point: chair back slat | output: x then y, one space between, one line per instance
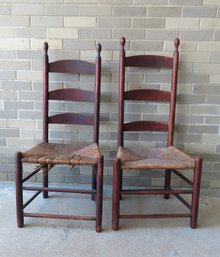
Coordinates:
147 95
72 94
149 61
72 66
72 118
145 126
93 69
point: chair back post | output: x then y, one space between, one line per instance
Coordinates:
173 93
121 93
97 95
45 91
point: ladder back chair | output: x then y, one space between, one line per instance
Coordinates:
168 159
47 154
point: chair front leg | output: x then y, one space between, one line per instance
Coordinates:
19 191
94 184
99 194
116 193
196 189
167 182
45 180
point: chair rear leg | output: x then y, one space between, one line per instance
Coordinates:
94 184
121 183
19 192
99 194
45 180
196 190
167 182
116 194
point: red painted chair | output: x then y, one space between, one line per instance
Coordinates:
46 154
168 159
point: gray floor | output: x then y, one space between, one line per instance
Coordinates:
139 238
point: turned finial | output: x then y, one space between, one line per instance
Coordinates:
45 47
122 42
176 43
98 48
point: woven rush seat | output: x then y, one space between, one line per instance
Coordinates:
154 158
50 153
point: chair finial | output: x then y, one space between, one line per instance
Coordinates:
176 43
45 46
98 48
122 42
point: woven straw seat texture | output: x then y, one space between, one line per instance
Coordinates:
70 154
154 158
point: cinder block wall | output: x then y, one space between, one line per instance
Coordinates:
72 28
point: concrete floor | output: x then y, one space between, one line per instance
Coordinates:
139 238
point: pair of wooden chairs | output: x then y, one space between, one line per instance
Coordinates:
168 159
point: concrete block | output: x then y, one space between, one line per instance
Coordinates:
201 129
205 109
14 65
186 2
118 2
206 89
130 11
185 46
129 34
112 22
207 46
7 54
14 21
80 1
151 2
8 95
14 43
182 23
214 99
193 78
199 148
211 2
27 9
30 32
217 35
46 21
53 43
62 33
6 9
6 32
29 75
191 99
17 105
211 139
79 22
199 12
7 75
214 78
210 23
95 10
169 11
207 68
62 9
94 34
148 23
147 45
15 85
161 34
196 35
